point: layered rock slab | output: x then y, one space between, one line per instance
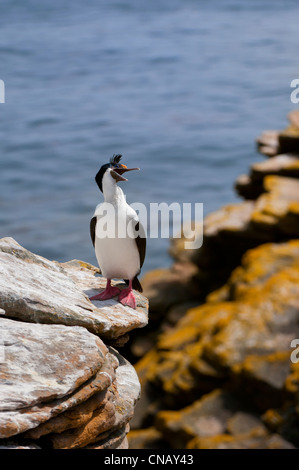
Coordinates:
43 364
61 387
102 421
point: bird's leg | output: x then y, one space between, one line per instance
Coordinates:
109 292
126 297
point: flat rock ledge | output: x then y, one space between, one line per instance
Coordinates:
34 289
62 384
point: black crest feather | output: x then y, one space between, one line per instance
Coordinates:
115 159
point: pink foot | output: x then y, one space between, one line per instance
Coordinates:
108 293
126 297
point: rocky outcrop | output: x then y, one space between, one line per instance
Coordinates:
63 385
237 343
271 143
219 373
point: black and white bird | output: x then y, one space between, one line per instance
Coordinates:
119 255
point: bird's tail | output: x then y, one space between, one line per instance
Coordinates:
135 284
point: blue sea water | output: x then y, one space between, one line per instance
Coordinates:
180 88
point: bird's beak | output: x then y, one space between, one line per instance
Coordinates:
119 171
122 169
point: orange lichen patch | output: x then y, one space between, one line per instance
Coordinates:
155 274
294 208
163 418
182 380
219 295
261 263
291 131
266 221
294 165
194 351
252 440
142 367
209 317
292 381
81 264
271 207
279 291
178 338
273 419
164 369
230 218
280 356
198 364
214 442
144 438
282 188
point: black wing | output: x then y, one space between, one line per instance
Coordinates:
93 223
141 243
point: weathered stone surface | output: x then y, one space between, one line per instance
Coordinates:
113 414
115 440
268 144
251 186
231 218
271 143
122 318
30 387
277 209
73 418
35 369
243 422
281 165
100 421
28 418
34 289
129 389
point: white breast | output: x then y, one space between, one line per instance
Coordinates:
117 256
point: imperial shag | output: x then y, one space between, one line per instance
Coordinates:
119 255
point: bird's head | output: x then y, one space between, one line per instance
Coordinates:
112 172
